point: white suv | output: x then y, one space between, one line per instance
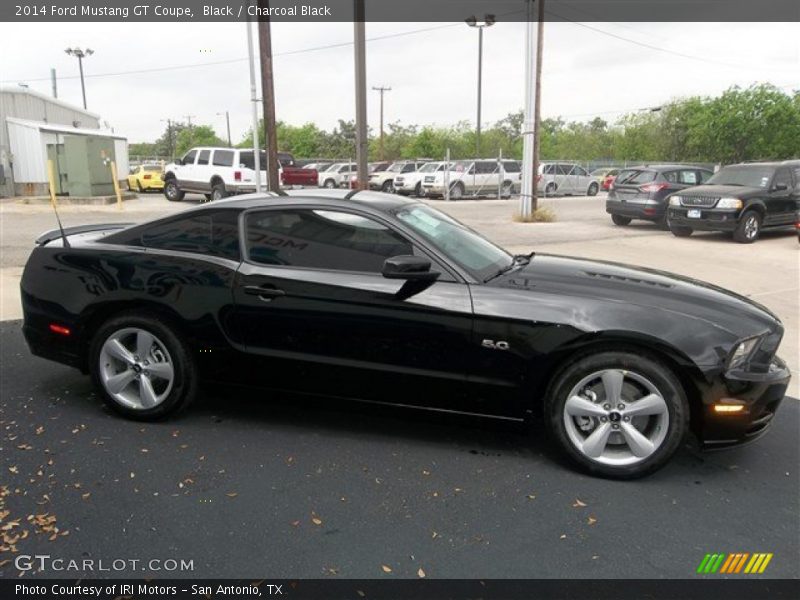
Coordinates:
338 175
411 183
475 178
214 172
567 179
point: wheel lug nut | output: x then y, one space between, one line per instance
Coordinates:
620 406
615 426
607 406
626 419
603 419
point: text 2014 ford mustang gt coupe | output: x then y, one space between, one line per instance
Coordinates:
369 296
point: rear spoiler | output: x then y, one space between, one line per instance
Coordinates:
55 234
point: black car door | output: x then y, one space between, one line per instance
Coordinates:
781 199
315 313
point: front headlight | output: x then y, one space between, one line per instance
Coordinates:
674 200
743 351
729 203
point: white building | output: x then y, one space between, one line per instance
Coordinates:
34 128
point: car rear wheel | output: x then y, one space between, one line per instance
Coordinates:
142 368
749 228
330 184
418 190
679 231
457 191
620 220
139 187
617 414
551 189
388 186
218 192
593 189
172 191
507 189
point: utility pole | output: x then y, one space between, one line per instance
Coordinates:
228 125
382 89
254 100
80 54
537 112
268 96
189 120
359 35
169 137
530 129
53 82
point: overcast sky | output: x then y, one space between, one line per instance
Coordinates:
588 70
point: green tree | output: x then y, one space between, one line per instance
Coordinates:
197 135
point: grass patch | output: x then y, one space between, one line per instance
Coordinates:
543 214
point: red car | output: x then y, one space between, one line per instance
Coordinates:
291 174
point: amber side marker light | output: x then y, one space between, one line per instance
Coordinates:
728 409
59 329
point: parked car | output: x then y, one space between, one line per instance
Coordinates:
214 172
475 178
291 174
743 199
605 176
317 166
411 183
338 175
567 179
371 168
146 177
641 192
380 298
384 180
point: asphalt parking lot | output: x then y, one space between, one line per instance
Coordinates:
293 487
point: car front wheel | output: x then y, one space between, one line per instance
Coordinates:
621 220
679 231
172 191
749 228
141 367
617 414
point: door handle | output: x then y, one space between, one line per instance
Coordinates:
265 293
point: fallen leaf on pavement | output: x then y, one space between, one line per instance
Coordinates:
386 569
578 503
421 573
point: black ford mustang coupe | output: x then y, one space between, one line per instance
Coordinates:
369 296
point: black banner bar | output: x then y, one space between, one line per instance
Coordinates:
398 10
419 589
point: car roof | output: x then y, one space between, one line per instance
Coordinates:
664 167
794 162
335 197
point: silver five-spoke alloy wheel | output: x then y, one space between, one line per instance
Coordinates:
751 227
616 417
136 369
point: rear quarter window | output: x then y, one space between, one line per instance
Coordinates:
213 233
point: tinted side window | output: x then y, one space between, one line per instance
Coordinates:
223 158
247 159
512 166
783 176
704 175
204 156
564 169
580 171
409 168
188 159
215 233
322 239
688 177
549 169
485 167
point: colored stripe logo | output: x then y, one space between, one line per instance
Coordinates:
733 563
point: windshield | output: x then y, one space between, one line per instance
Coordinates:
635 176
745 175
430 167
396 167
458 166
463 246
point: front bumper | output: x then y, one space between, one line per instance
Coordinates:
759 393
709 219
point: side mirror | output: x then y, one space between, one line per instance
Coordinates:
780 187
410 268
178 161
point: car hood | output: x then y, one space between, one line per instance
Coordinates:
737 191
650 288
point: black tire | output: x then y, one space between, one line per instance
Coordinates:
593 189
184 384
749 227
218 192
139 187
388 186
507 189
329 184
207 197
172 192
639 364
620 220
679 231
418 190
457 191
550 189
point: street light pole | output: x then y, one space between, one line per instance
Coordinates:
488 21
381 89
228 125
80 53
